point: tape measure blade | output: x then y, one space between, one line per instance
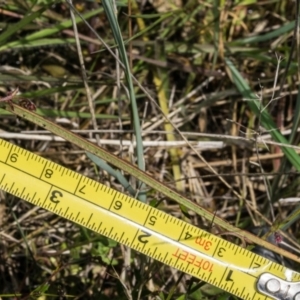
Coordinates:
130 222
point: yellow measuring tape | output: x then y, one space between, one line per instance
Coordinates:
143 228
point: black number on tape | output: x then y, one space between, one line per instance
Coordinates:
14 157
152 220
48 173
221 251
117 205
55 195
142 238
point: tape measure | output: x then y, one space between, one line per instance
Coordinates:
141 227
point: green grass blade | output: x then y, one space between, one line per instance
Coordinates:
16 27
267 36
266 120
47 31
109 10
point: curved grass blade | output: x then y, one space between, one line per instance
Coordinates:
115 173
266 120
